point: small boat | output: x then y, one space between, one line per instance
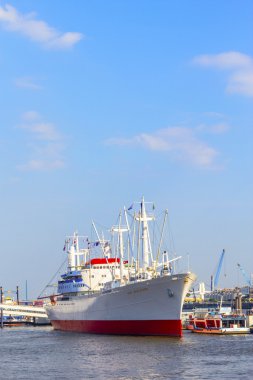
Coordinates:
220 322
9 320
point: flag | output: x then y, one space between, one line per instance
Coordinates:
64 248
130 208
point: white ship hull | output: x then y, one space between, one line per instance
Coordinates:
150 307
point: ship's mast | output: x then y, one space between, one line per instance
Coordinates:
99 240
130 245
76 246
161 238
146 246
74 252
120 229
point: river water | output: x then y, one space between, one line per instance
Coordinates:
42 353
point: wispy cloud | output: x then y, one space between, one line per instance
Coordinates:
239 66
27 82
213 128
30 116
45 144
36 30
179 143
42 131
41 165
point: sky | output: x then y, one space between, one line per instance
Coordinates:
103 102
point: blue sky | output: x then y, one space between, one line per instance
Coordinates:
105 101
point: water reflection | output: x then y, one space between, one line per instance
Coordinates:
28 353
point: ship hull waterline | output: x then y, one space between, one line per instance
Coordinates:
144 327
151 307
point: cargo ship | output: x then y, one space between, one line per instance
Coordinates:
124 289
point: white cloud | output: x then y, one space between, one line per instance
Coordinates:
64 41
214 115
27 82
36 30
45 144
180 143
240 67
31 116
241 82
42 131
214 128
41 165
228 60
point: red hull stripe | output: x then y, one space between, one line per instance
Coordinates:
160 327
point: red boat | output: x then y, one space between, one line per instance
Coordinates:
221 321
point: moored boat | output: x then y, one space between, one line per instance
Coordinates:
124 290
9 320
220 322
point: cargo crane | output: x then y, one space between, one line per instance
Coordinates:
215 279
247 278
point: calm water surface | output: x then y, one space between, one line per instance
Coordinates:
42 353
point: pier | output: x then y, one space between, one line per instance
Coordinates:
20 312
23 314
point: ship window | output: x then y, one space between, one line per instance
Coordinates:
101 267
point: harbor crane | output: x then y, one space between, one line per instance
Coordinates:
247 278
215 279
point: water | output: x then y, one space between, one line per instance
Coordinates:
42 353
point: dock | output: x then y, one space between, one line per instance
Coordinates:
23 314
